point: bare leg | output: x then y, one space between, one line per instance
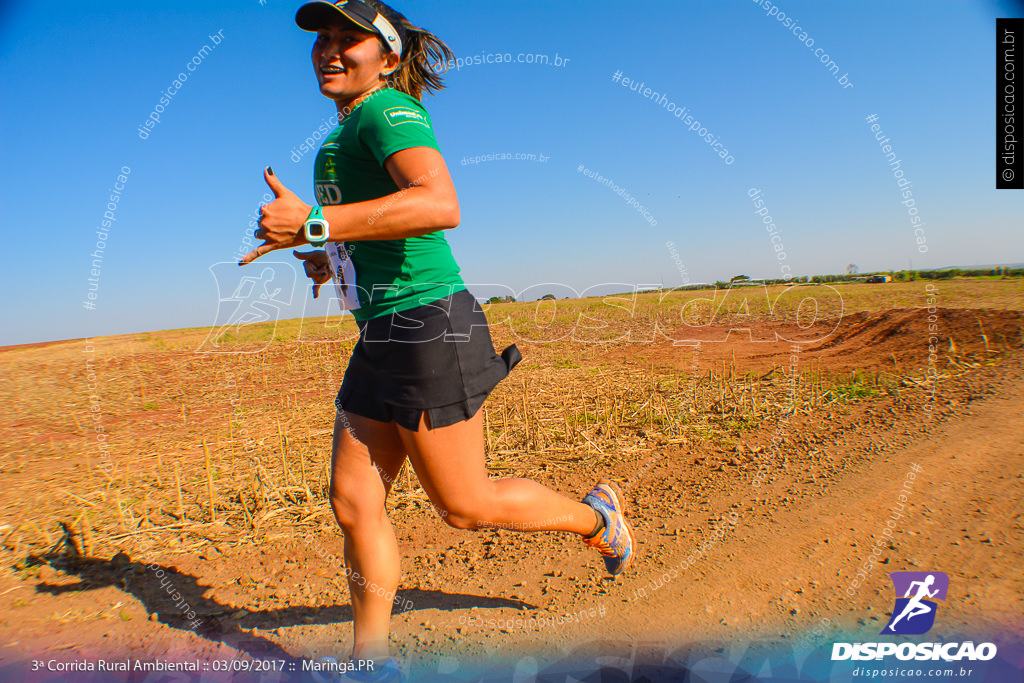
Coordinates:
449 462
365 460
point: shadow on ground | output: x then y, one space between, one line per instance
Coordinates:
172 595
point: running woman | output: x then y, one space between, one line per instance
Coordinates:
424 362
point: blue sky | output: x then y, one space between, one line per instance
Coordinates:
75 85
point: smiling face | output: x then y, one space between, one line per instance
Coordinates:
349 61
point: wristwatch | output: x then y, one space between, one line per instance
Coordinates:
316 228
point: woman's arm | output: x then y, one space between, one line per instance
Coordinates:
425 203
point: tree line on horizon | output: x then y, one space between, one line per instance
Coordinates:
895 275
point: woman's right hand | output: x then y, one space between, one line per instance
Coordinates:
318 268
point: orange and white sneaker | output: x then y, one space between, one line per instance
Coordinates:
615 540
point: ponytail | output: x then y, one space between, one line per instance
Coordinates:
424 56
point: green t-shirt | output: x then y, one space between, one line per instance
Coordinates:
391 275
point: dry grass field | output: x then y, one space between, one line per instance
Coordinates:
129 453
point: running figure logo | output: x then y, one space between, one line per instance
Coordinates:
245 298
914 613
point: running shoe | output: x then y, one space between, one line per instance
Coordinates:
615 540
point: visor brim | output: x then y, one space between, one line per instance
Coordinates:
313 16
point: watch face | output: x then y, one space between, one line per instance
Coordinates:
316 230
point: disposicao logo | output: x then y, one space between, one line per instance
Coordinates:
914 614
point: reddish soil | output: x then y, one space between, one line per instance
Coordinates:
896 339
782 568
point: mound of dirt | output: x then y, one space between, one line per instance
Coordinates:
904 334
861 341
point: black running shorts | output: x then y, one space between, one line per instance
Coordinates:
437 358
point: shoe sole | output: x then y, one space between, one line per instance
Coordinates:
620 503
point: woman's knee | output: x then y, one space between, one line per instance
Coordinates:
354 504
463 514
465 522
466 506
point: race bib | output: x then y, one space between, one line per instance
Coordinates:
344 274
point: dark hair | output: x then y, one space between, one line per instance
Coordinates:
422 52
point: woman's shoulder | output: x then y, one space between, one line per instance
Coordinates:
394 105
392 121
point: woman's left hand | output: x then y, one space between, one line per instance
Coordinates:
281 220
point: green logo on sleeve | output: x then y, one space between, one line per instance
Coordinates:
399 115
